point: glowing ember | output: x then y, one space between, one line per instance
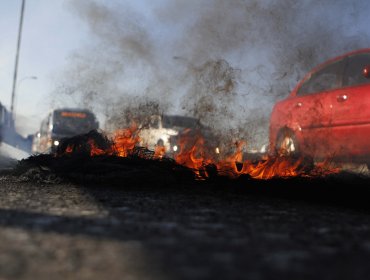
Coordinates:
69 150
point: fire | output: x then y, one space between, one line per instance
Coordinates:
125 140
272 167
122 144
159 152
194 154
228 166
233 166
269 168
94 149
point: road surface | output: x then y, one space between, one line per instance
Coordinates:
183 231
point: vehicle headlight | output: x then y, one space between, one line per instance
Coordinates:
174 148
217 150
56 143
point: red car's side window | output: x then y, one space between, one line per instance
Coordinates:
353 73
330 77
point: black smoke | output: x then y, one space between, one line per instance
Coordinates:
224 61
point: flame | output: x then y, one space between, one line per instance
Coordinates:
272 167
194 154
159 151
267 168
94 149
122 144
228 166
279 166
125 140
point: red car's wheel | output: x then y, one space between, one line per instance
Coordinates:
286 144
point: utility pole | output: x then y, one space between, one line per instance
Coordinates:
16 61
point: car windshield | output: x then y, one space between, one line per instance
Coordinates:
180 121
73 122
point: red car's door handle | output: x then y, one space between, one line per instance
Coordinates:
342 98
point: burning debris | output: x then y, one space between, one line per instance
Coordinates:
117 158
95 158
124 144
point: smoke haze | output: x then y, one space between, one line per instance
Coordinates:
223 61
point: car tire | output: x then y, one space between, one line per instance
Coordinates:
287 144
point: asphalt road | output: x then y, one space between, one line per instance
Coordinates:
180 231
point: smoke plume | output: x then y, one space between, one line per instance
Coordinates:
223 61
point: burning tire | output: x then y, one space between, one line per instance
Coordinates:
287 144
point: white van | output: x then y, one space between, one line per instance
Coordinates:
161 128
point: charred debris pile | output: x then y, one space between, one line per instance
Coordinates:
94 158
89 158
141 169
73 162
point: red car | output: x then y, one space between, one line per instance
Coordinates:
327 115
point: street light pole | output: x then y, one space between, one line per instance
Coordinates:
17 59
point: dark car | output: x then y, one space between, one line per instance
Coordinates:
328 113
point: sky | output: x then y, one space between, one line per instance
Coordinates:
50 33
